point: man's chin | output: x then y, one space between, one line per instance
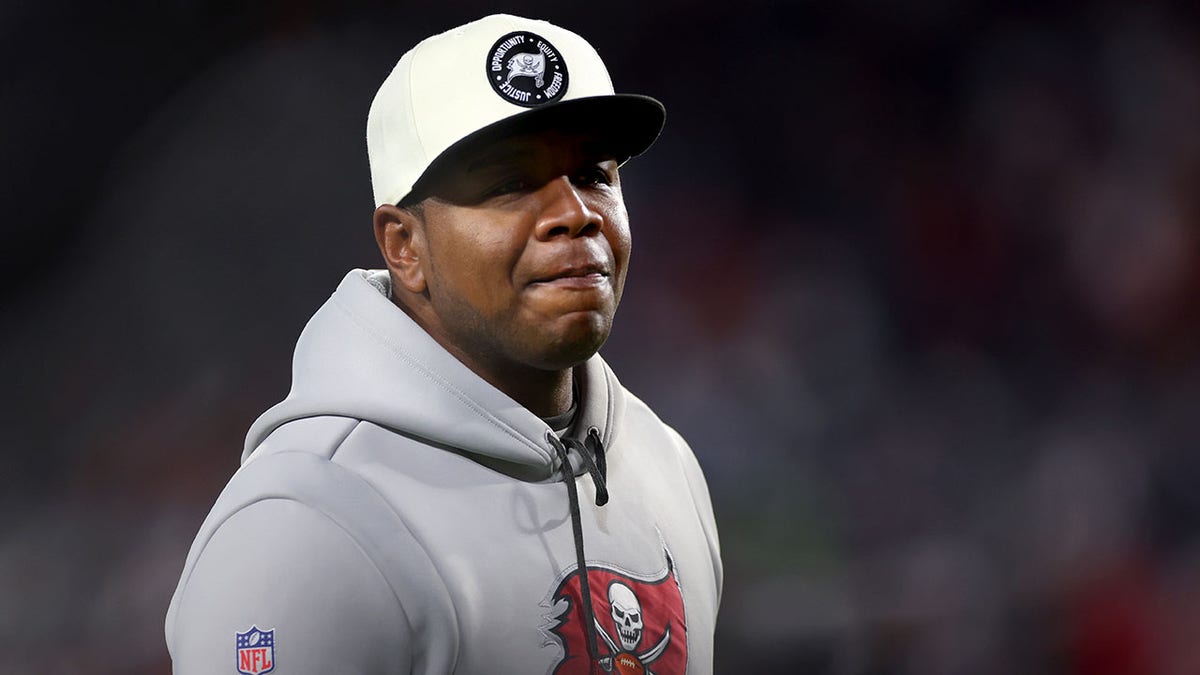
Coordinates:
578 337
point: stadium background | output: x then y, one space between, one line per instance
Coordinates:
917 279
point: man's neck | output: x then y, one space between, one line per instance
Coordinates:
545 393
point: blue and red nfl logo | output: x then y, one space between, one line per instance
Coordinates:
256 651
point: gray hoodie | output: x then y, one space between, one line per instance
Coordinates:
398 514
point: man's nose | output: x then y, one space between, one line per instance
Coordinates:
565 211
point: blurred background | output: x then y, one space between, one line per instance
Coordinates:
917 279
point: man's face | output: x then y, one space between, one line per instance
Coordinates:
527 247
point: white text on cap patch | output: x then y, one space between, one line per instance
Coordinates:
525 69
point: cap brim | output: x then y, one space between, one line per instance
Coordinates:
625 126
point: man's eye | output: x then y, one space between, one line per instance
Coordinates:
507 187
594 176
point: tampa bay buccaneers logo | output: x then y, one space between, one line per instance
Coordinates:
639 622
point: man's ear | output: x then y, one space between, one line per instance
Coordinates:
400 235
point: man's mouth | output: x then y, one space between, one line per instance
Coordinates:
571 276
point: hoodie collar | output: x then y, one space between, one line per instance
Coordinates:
361 356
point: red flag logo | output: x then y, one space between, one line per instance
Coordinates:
639 623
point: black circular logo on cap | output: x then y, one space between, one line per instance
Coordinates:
525 69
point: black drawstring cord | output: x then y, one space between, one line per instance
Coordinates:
597 448
596 468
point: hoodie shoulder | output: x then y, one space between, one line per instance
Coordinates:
255 593
293 522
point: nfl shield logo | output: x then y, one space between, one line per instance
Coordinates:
256 651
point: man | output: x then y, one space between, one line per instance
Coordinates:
457 482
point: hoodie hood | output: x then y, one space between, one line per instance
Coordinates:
361 356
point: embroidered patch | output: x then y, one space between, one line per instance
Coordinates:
639 622
525 69
255 651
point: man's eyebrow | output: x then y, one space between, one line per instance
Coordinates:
597 150
498 157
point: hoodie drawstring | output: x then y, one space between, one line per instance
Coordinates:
592 454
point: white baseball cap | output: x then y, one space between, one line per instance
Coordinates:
493 77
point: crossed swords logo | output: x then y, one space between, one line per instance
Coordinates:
645 658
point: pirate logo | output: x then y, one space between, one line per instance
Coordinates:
527 65
629 623
525 69
638 621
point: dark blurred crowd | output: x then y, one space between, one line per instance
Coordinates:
917 280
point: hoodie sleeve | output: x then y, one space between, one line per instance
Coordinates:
305 597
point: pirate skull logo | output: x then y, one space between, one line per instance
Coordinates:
527 65
626 615
642 630
630 624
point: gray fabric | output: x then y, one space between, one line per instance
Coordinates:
397 514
